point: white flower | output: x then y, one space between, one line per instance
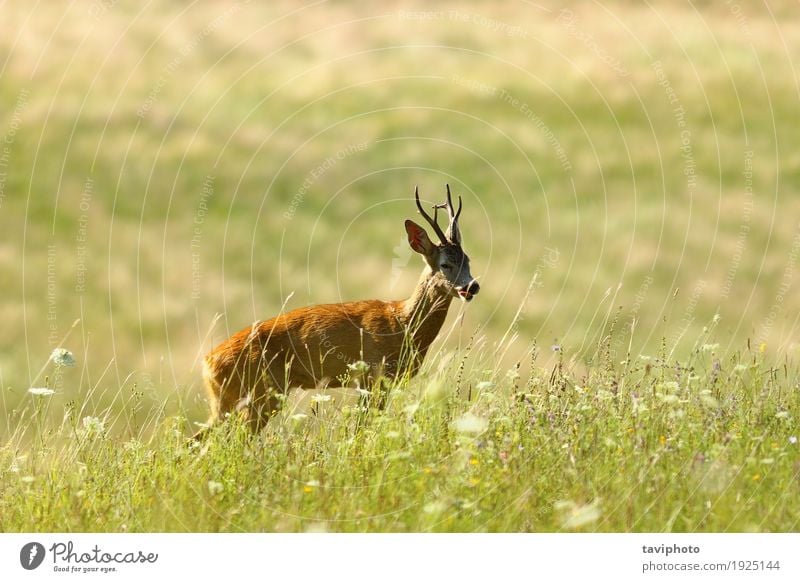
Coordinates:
574 516
62 357
709 401
793 440
298 417
470 424
28 479
41 391
318 398
434 507
134 446
740 368
484 385
93 426
363 392
215 487
358 367
709 347
783 415
716 318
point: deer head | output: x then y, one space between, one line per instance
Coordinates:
448 262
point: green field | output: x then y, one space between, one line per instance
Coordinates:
631 183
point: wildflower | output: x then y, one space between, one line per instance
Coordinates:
473 461
318 398
392 434
483 385
215 487
739 368
793 440
363 392
645 358
298 417
762 347
133 446
709 347
93 426
434 507
670 399
555 348
783 415
358 367
757 477
310 485
28 479
62 357
662 440
574 516
470 424
716 318
41 391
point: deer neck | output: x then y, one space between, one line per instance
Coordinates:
425 311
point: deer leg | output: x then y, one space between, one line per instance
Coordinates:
262 405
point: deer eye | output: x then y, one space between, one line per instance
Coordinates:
447 266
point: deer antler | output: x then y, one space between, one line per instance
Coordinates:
432 221
453 233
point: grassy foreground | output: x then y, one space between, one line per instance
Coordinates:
646 444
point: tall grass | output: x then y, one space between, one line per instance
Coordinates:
645 443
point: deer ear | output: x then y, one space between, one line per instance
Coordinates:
418 238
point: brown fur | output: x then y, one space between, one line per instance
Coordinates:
312 346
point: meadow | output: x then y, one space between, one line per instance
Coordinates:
170 174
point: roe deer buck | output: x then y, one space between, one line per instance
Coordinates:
313 346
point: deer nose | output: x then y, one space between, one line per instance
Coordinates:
469 290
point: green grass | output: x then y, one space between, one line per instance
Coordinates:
647 444
268 93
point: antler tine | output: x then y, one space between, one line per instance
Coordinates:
450 208
435 225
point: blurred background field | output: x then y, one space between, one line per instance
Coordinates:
165 163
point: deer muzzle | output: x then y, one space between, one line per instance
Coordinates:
468 291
